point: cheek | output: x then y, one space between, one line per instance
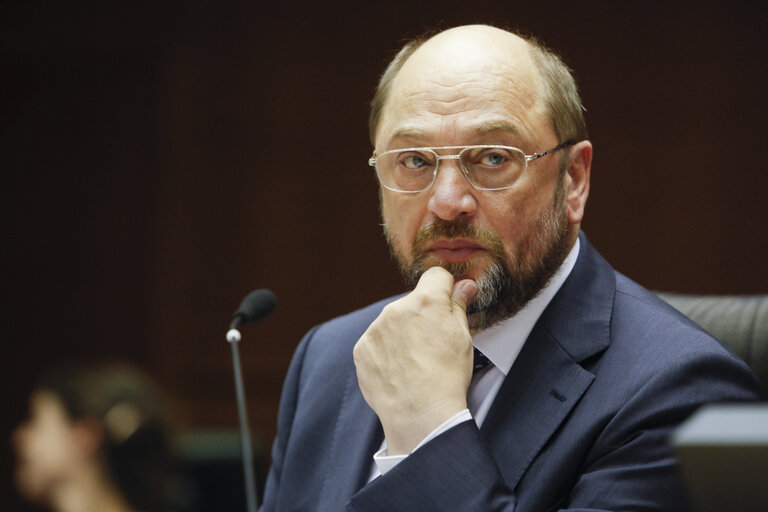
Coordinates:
402 218
504 214
513 218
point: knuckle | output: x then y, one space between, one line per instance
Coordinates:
422 300
356 353
359 350
391 310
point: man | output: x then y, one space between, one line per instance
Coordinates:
588 372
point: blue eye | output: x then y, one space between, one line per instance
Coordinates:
414 161
493 159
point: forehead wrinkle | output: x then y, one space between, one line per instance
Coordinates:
464 96
448 87
511 93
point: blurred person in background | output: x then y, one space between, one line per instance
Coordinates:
96 439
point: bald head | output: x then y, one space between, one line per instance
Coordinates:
522 69
469 48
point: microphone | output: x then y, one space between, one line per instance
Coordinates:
256 306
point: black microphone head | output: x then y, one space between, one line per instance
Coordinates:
256 306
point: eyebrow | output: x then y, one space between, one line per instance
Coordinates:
407 133
484 129
495 127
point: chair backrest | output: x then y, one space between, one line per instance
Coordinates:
740 322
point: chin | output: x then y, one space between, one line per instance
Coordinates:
473 268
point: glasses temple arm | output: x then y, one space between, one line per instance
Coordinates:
560 146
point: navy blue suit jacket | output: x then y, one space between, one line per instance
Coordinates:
580 423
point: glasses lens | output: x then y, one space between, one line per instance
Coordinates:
493 168
409 170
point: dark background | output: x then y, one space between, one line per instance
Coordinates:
160 161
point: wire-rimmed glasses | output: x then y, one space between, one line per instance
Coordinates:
486 167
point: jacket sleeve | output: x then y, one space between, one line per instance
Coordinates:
454 471
629 465
288 402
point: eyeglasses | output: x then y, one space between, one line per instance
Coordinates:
413 170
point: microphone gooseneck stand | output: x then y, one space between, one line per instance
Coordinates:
256 306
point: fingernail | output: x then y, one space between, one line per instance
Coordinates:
468 289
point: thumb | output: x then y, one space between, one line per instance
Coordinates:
463 292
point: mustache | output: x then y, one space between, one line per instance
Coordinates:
441 229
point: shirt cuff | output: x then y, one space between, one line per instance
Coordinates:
386 462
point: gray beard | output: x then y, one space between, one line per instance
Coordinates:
509 283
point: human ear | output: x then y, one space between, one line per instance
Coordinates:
577 180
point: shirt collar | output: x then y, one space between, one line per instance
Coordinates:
501 343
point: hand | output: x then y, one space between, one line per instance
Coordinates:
414 363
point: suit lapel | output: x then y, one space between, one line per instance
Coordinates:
547 379
541 389
357 436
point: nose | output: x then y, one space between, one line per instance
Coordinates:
452 196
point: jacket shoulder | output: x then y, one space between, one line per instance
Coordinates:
657 338
328 346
